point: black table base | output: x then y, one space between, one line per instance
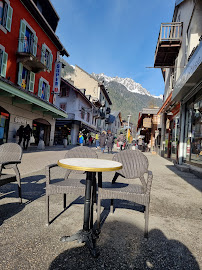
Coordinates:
87 235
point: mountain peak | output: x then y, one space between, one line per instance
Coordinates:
129 83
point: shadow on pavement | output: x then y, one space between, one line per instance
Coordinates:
122 246
188 177
8 210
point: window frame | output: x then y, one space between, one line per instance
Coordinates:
3 61
6 17
50 57
31 78
47 93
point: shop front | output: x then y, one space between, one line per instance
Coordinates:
193 134
4 125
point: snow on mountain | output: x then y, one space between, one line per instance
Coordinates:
129 83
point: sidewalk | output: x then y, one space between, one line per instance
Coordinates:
174 226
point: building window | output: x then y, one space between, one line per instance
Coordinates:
63 106
46 56
64 91
82 113
26 78
6 13
3 61
88 117
27 39
44 89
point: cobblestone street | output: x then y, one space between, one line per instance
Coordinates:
175 223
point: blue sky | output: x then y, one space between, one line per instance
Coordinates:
114 37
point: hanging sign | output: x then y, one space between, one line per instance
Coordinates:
147 122
57 77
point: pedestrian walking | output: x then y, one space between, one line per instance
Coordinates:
27 135
121 140
20 134
97 140
81 139
102 141
110 141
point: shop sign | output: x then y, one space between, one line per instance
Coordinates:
147 122
20 120
156 120
167 124
57 77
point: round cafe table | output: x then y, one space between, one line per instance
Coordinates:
91 166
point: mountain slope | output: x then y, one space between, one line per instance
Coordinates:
127 96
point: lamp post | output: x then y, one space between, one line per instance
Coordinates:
128 124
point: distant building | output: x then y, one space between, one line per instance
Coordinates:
97 94
115 122
29 50
147 126
80 111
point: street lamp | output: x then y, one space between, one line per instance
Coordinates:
128 124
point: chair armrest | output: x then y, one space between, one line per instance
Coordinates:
13 162
149 182
47 169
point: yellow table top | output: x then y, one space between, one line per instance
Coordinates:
89 164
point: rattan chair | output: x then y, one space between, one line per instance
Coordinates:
59 182
10 157
135 165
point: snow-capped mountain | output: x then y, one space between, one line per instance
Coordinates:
129 83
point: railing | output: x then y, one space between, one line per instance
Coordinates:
171 31
28 45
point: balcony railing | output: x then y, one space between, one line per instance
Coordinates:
169 42
29 54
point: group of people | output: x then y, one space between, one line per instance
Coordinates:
24 133
104 140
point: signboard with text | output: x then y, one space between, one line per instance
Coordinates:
57 77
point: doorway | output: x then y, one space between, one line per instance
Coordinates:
41 130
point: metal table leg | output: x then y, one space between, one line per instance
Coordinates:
87 235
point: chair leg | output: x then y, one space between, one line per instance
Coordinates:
19 183
47 210
112 206
98 211
65 200
146 213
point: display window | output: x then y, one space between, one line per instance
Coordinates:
4 125
194 133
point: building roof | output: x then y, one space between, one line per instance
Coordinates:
36 14
177 2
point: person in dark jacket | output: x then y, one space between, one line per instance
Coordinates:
110 141
20 133
27 135
102 141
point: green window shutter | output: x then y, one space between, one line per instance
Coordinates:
35 45
21 36
20 74
40 87
50 61
43 50
31 81
9 18
48 92
4 64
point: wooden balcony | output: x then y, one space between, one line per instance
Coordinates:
29 55
169 43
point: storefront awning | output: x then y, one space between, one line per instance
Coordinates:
167 101
190 77
19 95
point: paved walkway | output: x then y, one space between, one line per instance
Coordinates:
174 226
